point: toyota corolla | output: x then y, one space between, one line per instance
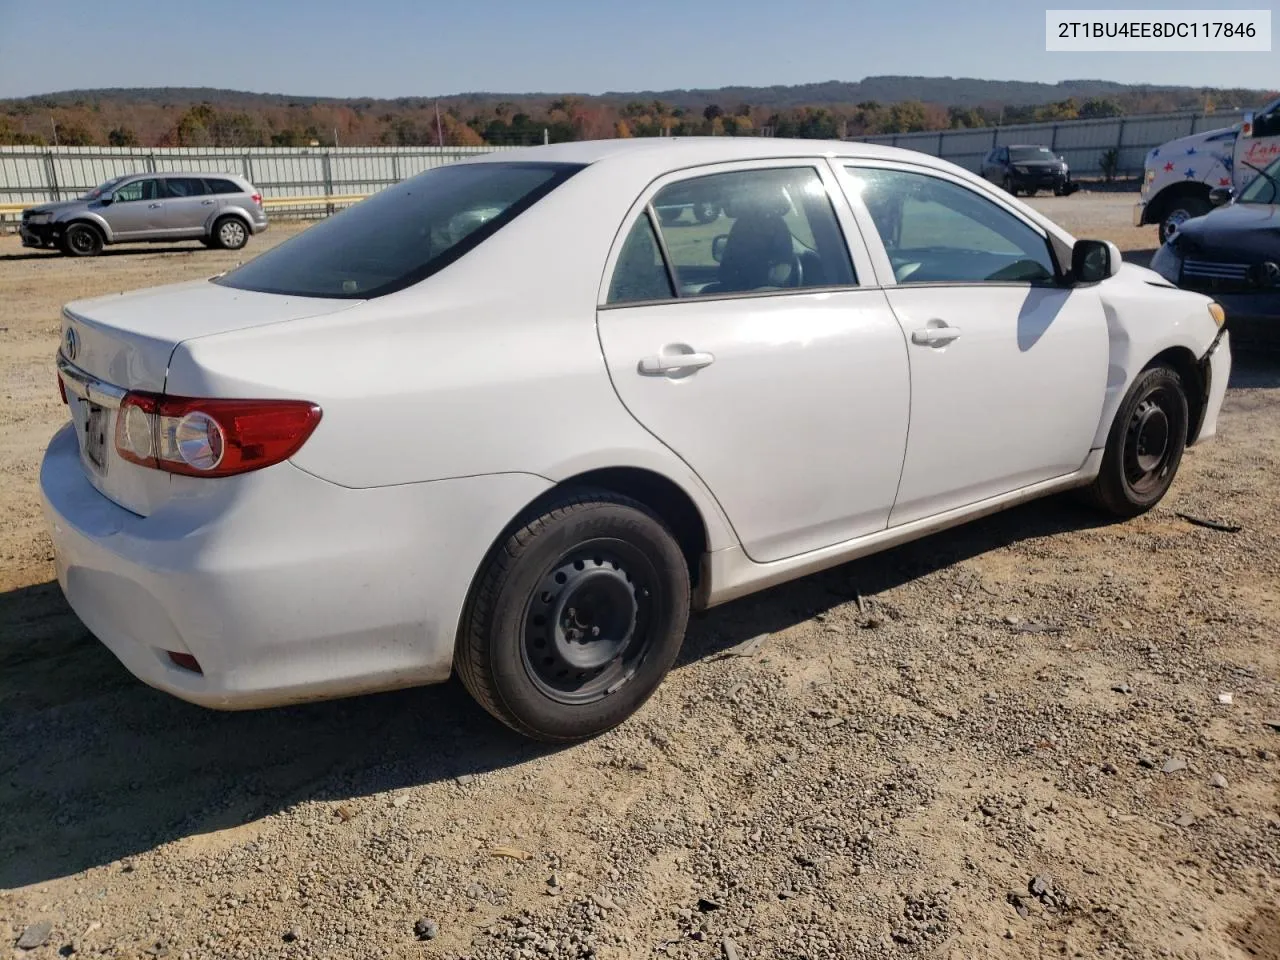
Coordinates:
505 419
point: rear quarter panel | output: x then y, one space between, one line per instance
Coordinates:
492 366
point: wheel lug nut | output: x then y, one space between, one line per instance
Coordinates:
595 631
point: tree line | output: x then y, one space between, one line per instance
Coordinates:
474 120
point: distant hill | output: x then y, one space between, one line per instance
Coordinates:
195 116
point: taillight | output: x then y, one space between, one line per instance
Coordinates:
211 438
257 198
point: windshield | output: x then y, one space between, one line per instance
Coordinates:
1264 187
1031 153
102 188
402 234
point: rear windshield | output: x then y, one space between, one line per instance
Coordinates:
1031 153
402 234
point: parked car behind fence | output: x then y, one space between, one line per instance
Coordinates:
221 210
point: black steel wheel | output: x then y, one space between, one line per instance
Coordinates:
575 617
81 240
587 627
1145 445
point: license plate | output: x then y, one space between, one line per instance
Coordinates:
95 437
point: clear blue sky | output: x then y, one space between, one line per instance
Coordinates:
388 48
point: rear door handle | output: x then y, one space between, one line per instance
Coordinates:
935 336
154 206
207 203
674 362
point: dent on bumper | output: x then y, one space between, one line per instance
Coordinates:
1219 362
283 586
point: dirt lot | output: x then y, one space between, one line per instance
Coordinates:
1036 736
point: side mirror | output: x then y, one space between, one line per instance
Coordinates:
1246 128
717 247
106 199
1093 261
1221 196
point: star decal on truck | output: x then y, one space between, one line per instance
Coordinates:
1168 167
1190 173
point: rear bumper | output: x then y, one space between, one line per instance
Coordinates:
283 586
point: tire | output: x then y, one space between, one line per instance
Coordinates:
705 212
575 618
1180 210
1009 186
230 233
1145 445
82 240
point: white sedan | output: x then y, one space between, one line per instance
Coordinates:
505 419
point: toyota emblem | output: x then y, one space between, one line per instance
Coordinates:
70 343
1271 273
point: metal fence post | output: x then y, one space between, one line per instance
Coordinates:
995 132
1053 139
51 174
395 167
328 181
151 163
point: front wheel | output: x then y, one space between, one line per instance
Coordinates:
81 240
1180 211
1145 445
1009 186
576 618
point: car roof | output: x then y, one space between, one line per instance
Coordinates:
1027 146
183 173
671 152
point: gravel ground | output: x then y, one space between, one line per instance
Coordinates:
1036 736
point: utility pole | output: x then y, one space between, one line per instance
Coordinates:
439 131
54 123
335 136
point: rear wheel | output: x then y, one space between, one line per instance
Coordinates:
575 618
81 240
230 233
1145 445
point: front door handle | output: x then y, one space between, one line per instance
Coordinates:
207 203
935 336
154 206
666 363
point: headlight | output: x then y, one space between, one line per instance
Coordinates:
1019 169
1218 314
40 218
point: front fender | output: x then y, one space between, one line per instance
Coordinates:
87 216
1146 317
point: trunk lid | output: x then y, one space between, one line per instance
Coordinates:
119 343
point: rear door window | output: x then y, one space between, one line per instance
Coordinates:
176 187
746 231
403 234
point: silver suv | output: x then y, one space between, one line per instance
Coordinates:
219 210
